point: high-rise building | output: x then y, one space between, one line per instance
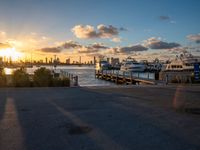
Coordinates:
68 61
58 60
1 60
94 60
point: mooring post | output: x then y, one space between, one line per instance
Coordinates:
131 77
124 76
117 77
72 76
111 75
166 79
97 73
76 81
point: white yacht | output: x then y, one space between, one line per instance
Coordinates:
154 66
183 63
132 65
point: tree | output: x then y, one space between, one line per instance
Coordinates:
20 78
42 77
60 82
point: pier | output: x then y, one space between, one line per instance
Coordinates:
124 77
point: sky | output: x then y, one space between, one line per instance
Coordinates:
143 29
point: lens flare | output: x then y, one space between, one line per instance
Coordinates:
10 53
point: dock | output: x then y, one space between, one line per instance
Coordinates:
125 77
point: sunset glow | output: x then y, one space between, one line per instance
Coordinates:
10 53
132 28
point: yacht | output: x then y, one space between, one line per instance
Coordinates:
155 66
183 63
132 65
103 65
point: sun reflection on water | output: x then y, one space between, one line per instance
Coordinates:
8 71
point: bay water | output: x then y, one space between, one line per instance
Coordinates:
86 74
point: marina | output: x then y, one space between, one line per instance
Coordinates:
182 69
99 75
179 70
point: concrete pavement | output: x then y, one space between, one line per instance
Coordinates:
96 118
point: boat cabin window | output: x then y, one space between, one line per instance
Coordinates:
176 66
187 64
128 63
173 66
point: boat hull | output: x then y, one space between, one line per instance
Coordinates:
134 68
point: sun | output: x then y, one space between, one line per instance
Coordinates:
10 53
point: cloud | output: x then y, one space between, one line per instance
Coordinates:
98 46
135 48
126 50
116 40
107 31
114 50
61 47
194 38
51 50
5 45
84 32
178 50
89 32
87 50
167 19
78 48
95 48
155 43
164 18
70 44
91 49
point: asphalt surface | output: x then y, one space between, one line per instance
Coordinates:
97 118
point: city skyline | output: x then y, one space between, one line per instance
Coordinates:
143 29
56 60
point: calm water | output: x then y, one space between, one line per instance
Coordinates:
86 74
